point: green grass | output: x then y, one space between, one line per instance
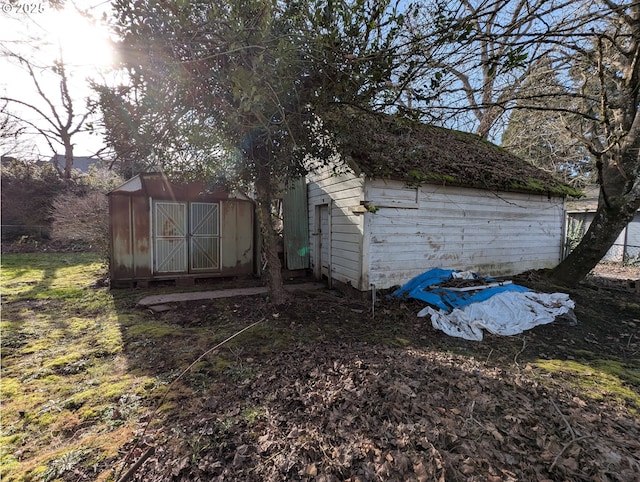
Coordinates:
62 372
82 366
51 276
598 379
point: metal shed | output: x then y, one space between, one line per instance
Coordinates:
162 230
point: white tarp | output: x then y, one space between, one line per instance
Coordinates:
507 313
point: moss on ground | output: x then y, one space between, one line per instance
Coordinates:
83 369
62 380
598 379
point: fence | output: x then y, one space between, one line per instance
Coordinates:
625 254
625 250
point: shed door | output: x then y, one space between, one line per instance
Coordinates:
170 232
205 237
186 237
323 240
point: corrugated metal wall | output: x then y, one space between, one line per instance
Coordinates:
296 225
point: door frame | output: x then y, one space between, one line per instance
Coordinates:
318 270
193 237
182 239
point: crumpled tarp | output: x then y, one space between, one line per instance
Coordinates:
505 309
425 288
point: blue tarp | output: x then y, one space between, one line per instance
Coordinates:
424 287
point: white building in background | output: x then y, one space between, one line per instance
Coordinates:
580 214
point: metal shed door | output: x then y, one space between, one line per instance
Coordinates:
186 237
170 237
205 237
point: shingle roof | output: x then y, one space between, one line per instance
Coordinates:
81 163
385 146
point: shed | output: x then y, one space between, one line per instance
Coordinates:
163 230
580 214
412 197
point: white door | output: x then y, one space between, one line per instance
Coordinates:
322 258
205 237
170 231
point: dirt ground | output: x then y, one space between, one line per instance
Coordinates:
327 389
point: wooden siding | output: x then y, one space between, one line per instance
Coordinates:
457 228
342 193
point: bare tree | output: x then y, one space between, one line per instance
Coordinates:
10 133
544 137
596 71
591 51
483 58
57 119
81 214
604 69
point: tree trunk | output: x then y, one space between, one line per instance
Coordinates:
270 243
606 226
68 156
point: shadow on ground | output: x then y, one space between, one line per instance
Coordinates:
324 390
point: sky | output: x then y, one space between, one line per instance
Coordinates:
40 35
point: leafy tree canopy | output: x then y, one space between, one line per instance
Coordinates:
248 80
253 75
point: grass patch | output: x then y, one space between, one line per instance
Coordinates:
82 366
598 379
66 390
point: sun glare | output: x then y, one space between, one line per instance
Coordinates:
42 36
83 43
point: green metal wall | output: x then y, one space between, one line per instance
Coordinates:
296 225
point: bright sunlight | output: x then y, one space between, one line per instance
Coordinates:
84 42
75 34
42 35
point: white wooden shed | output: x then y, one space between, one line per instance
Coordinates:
413 197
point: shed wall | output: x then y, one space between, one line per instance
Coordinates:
341 193
415 229
236 237
130 228
130 237
121 233
296 225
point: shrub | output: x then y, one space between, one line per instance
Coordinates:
28 191
81 214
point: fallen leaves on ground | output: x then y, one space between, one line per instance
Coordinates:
359 412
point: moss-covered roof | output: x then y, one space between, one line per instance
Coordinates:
385 146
